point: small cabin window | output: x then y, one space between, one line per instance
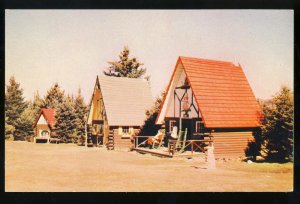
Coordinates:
125 130
199 127
172 124
44 133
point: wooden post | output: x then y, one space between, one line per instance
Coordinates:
85 127
210 158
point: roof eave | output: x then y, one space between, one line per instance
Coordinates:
167 91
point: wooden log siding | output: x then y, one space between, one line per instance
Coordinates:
119 142
231 144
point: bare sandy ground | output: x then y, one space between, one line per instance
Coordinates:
33 167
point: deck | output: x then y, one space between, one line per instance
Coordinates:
187 148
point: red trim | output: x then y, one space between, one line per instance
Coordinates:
193 92
162 104
37 118
186 62
46 116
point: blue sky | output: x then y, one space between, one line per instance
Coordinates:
71 47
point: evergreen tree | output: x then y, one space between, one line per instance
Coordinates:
24 124
65 119
80 112
125 66
37 103
254 147
14 104
54 97
149 127
9 130
278 126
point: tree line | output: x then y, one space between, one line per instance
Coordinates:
20 114
274 139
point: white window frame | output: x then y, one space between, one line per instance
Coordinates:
172 123
199 129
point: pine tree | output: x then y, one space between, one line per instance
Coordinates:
80 112
278 126
9 130
24 124
14 104
125 66
149 127
65 119
54 97
37 103
254 147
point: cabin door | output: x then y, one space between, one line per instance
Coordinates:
187 123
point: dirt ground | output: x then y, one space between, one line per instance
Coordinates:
33 167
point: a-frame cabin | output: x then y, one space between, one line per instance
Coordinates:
214 97
44 124
117 110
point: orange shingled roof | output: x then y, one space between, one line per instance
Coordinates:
49 115
222 93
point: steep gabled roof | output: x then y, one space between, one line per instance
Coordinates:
49 115
222 93
125 100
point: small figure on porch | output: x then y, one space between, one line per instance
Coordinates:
174 134
157 139
133 134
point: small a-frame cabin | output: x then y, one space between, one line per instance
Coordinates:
117 110
44 124
211 97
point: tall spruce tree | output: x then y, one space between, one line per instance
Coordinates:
125 66
80 112
14 104
277 129
65 119
54 97
24 123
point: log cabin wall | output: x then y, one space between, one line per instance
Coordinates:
121 142
231 144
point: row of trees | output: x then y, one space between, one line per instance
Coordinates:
274 140
20 114
70 112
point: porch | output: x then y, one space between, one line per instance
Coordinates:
173 148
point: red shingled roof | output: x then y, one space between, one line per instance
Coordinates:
222 93
49 115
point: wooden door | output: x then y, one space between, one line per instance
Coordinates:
188 123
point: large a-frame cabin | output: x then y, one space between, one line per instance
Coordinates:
212 97
117 110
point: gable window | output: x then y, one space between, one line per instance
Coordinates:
172 123
199 127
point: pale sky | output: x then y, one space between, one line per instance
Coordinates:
72 47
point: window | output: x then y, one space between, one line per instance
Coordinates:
199 127
44 133
125 130
172 124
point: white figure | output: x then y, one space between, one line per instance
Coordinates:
174 133
210 158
